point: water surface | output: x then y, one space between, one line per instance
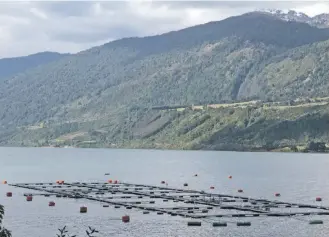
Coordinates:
298 177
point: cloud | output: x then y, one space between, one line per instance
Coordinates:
314 9
38 13
30 27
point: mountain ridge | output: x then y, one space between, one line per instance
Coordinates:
42 53
102 93
14 65
320 20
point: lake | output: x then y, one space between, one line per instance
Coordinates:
298 177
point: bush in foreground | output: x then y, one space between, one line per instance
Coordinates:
3 231
91 232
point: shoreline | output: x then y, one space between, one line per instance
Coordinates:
258 150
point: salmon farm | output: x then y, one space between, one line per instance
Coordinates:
197 207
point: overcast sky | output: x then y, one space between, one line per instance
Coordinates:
30 27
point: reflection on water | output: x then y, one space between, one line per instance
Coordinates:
298 177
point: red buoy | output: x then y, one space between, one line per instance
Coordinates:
110 181
83 209
115 181
125 219
318 199
212 187
9 194
240 191
230 177
277 194
51 204
29 198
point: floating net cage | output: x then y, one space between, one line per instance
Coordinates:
196 206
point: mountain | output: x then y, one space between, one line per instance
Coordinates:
12 66
107 94
320 21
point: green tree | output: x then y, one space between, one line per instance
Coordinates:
317 146
3 231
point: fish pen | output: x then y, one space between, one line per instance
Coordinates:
197 206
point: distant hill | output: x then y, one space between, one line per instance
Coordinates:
12 66
255 56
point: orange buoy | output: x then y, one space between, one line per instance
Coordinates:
4 182
230 177
110 181
83 209
51 204
29 198
163 182
318 199
9 194
240 191
277 194
125 219
212 187
57 181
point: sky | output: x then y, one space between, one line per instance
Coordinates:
28 27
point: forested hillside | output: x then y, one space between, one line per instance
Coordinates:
100 94
12 66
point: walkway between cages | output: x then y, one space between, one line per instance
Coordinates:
190 203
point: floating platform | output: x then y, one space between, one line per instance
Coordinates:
174 201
